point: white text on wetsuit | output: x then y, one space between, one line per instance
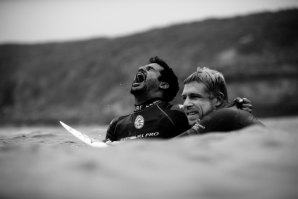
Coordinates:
143 135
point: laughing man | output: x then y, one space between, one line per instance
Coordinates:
207 107
154 86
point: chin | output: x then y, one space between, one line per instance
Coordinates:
136 90
191 121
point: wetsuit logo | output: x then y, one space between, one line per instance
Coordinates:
139 122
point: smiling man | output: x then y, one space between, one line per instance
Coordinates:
153 87
207 107
204 91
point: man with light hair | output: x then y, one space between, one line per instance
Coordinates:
155 84
207 106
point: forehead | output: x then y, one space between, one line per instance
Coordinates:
155 66
194 87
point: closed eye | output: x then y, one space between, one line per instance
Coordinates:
150 68
195 96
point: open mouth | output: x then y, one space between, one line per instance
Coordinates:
139 78
192 113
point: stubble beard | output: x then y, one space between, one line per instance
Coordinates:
144 90
134 91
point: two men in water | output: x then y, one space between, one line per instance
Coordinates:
154 86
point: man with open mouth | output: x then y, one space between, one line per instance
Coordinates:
153 87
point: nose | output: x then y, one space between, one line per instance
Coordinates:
141 68
187 103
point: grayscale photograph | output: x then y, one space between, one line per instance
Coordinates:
160 99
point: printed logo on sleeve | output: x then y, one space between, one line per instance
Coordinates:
139 122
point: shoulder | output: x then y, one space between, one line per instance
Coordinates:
174 110
228 113
117 119
176 114
113 126
231 114
177 107
243 117
228 119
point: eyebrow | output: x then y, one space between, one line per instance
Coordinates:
193 94
148 66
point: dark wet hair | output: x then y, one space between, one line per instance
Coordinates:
168 76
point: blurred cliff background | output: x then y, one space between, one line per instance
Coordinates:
88 81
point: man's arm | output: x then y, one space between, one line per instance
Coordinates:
110 135
227 119
223 120
194 130
240 103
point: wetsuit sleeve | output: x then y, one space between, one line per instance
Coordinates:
188 132
110 135
247 119
227 119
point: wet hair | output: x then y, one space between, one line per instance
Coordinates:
168 76
213 80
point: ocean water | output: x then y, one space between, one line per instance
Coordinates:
48 162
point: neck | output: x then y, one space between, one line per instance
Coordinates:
146 101
143 98
139 101
147 104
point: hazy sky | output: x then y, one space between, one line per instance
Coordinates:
59 20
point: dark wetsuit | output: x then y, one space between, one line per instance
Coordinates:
154 119
224 120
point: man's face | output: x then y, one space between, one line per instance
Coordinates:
197 101
146 78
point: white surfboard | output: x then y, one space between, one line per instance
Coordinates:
83 137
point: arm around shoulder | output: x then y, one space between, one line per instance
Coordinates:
228 119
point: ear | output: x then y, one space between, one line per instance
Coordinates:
164 85
219 100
